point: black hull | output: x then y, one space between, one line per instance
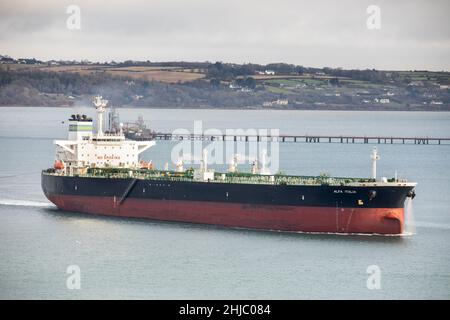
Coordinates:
270 207
314 196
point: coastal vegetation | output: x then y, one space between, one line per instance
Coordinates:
31 82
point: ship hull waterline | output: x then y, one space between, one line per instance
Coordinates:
266 217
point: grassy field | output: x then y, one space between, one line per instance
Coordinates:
441 77
277 90
161 74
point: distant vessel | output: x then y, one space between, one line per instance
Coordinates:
131 130
100 173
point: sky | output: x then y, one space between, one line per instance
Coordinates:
412 34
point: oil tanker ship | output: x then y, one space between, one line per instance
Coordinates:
100 173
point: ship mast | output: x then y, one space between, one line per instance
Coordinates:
375 157
204 165
100 105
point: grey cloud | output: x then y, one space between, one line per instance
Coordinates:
414 35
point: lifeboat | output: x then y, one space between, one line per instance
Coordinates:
146 165
58 165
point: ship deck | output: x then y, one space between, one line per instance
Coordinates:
235 178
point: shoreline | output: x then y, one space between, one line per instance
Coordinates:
239 108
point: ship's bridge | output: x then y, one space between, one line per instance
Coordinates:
109 137
85 149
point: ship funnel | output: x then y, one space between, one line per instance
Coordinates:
375 157
80 127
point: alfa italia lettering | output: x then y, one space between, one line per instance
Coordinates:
345 191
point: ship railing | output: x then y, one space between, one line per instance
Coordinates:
229 178
111 134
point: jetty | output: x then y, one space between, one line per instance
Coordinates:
306 138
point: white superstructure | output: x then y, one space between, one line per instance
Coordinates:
86 149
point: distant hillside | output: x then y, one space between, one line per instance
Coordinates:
31 82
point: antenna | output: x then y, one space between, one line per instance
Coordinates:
375 157
179 165
255 168
233 163
205 160
100 105
263 161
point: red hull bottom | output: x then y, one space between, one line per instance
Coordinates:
282 218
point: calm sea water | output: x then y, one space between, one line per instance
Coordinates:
130 258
